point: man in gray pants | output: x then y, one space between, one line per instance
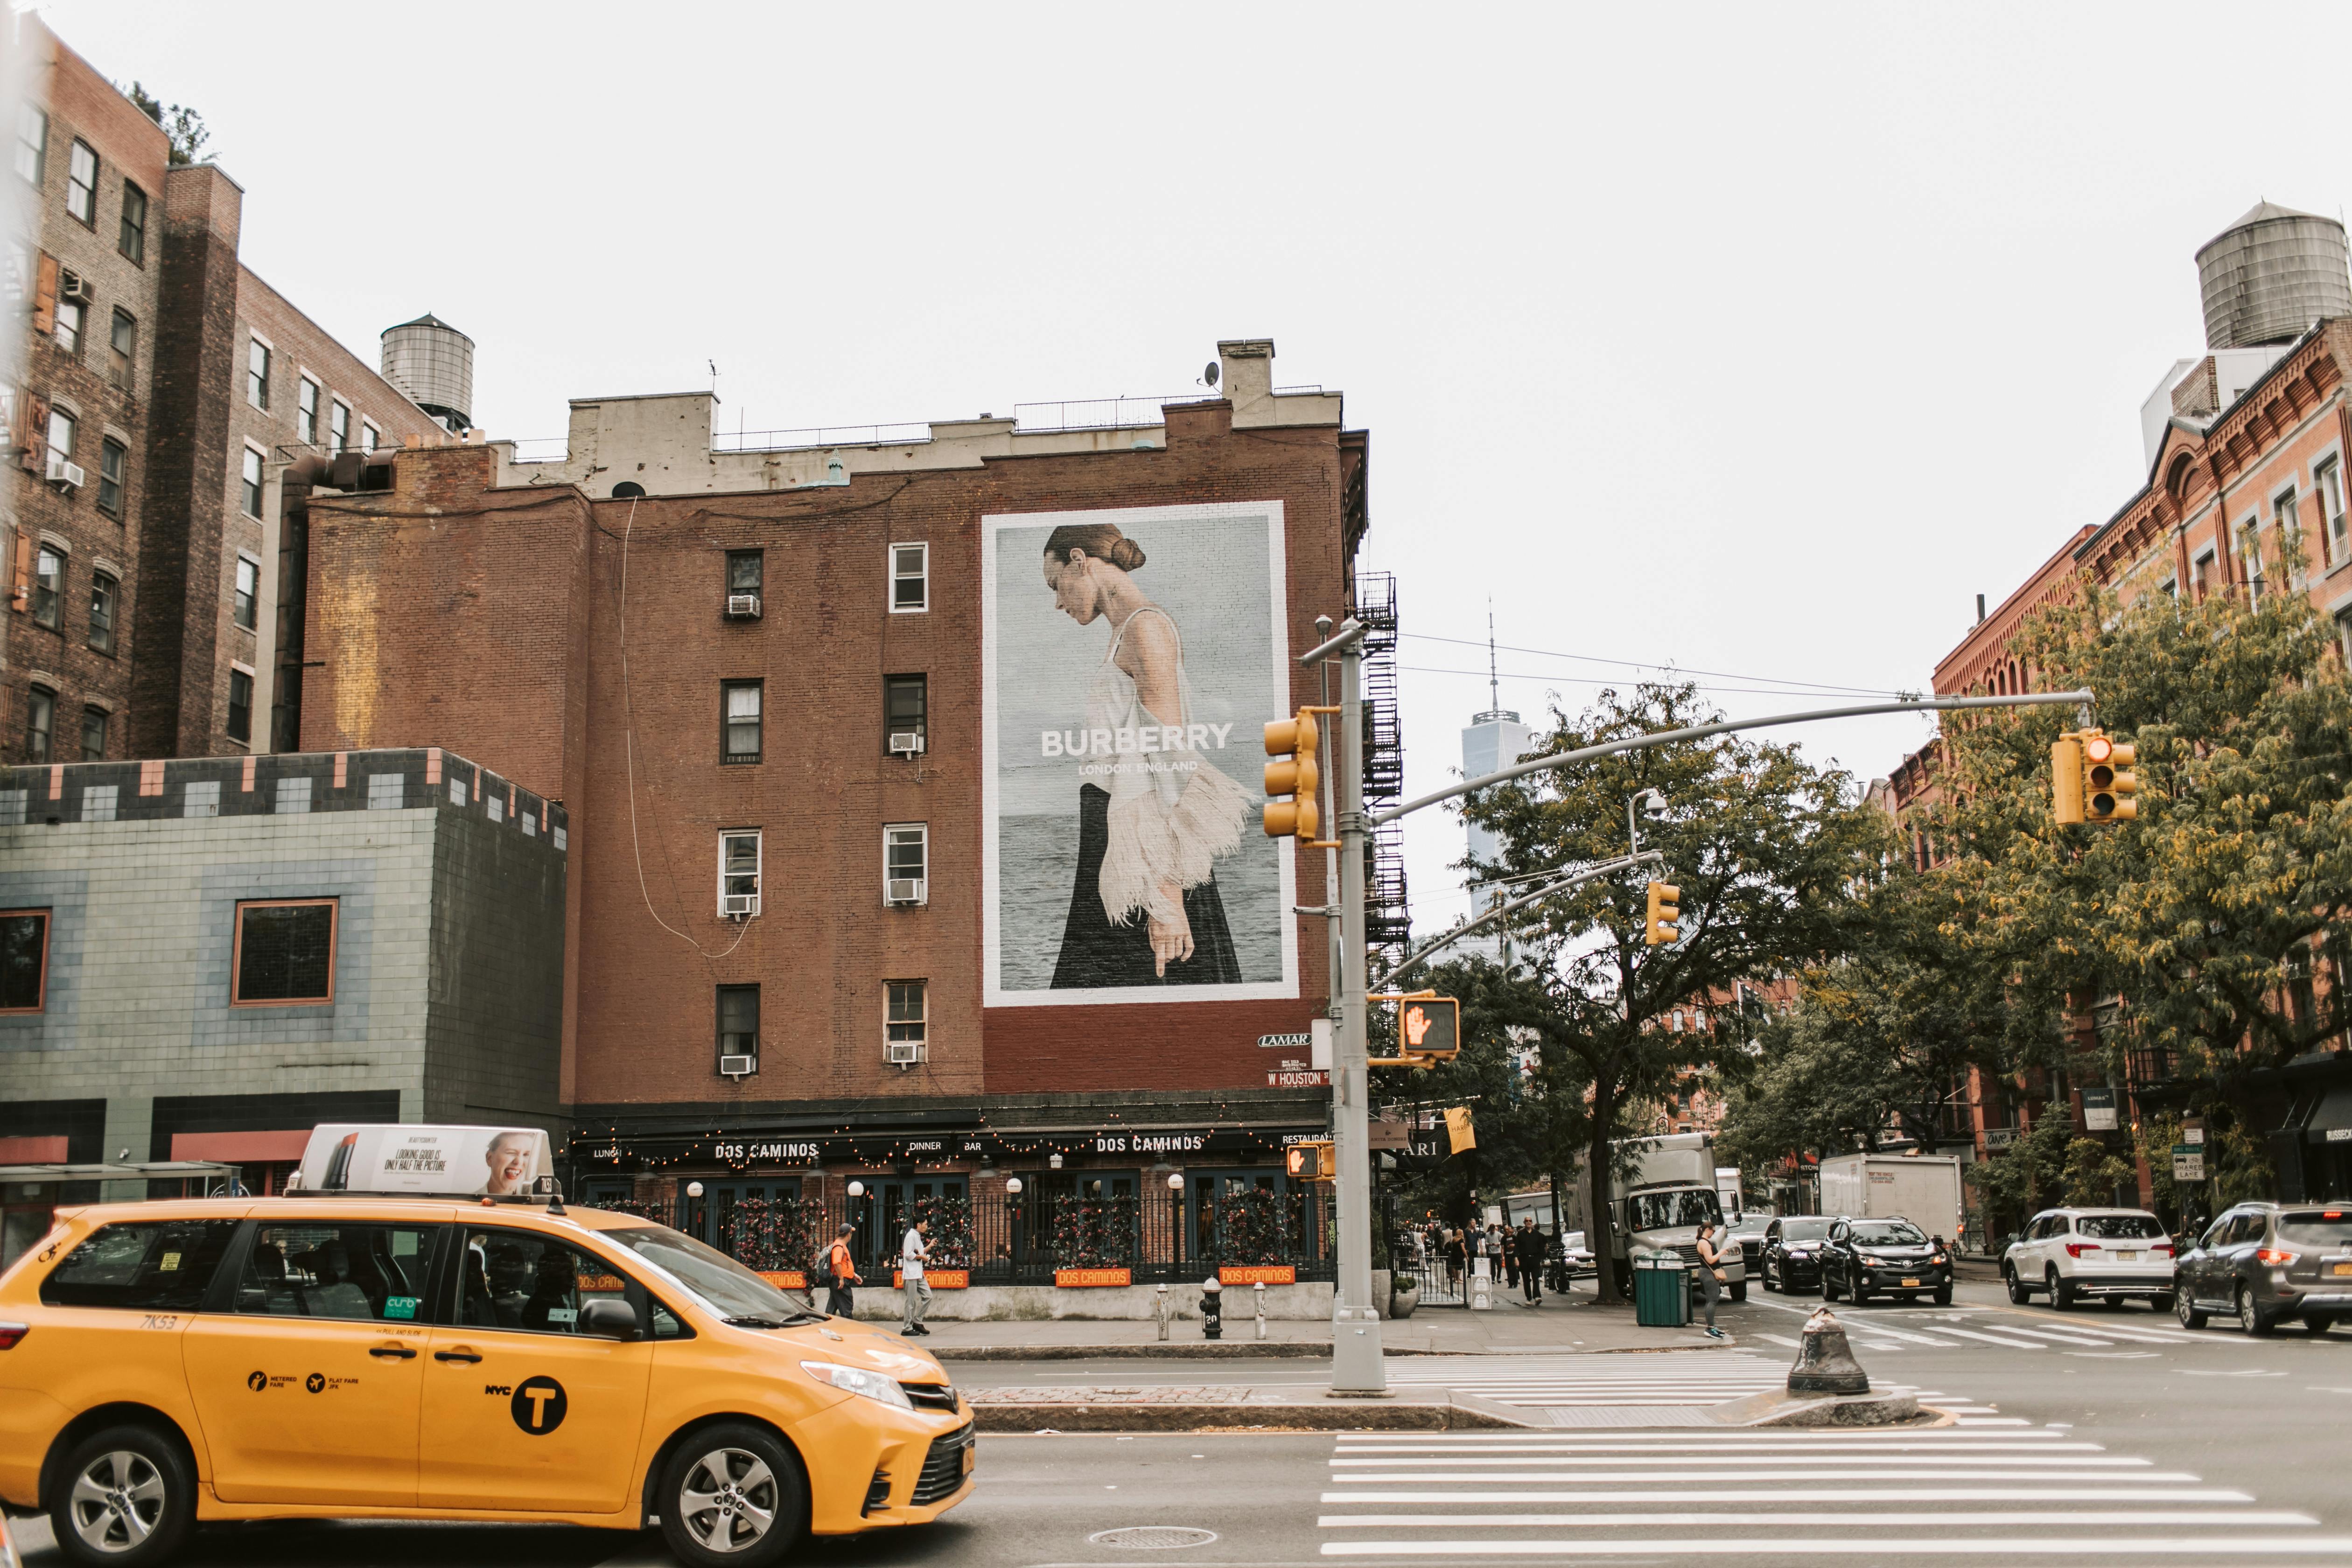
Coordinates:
911 1253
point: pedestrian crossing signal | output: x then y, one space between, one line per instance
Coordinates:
1315 1160
1429 1030
1666 910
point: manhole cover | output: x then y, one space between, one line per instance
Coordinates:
1152 1537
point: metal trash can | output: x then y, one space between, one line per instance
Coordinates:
1661 1292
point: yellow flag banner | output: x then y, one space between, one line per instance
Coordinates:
1458 1130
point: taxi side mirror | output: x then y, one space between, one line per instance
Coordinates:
609 1318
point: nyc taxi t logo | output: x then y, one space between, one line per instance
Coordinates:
538 1404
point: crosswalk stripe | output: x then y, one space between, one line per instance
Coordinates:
2064 1339
2037 1438
1616 1477
2127 1330
2016 1344
1685 1493
2011 1546
1875 1518
1907 1334
1782 1340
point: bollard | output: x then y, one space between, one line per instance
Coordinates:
1212 1308
1160 1307
1825 1362
1258 1291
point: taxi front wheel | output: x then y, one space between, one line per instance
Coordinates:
733 1495
126 1497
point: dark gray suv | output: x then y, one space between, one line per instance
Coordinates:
2264 1263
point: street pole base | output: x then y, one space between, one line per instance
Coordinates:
1357 1369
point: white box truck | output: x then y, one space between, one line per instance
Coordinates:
1659 1190
1922 1188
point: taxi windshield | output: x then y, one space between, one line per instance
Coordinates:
723 1286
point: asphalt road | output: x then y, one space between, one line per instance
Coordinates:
2121 1438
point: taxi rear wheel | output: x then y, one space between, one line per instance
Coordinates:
126 1498
733 1496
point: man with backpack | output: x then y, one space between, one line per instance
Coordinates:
839 1272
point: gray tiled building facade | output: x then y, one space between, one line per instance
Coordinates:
436 888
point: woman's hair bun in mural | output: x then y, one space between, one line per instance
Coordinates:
1114 709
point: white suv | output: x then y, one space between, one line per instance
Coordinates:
2108 1254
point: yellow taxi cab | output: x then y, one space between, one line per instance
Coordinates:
479 1355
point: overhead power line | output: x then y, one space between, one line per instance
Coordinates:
1597 680
1636 664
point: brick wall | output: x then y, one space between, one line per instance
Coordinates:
471 615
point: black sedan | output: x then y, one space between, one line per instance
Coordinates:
1792 1259
1866 1257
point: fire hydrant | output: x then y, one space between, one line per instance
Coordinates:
1212 1308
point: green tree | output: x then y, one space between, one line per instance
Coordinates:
182 126
1765 849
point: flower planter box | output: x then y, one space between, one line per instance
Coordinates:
1257 1274
936 1278
1092 1278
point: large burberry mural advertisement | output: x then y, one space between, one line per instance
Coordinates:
1130 661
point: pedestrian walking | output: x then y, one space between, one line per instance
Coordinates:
1710 1276
911 1253
1458 1259
1530 1243
1510 1260
840 1276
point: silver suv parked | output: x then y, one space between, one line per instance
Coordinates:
2264 1263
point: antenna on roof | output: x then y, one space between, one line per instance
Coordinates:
1494 681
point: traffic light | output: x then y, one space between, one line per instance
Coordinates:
1665 908
2108 781
2091 778
1297 775
1429 1030
1315 1160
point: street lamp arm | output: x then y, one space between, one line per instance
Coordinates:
1700 732
1576 879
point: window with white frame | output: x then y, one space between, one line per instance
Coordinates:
368 436
73 319
339 427
906 863
63 429
81 183
906 1013
257 373
249 486
738 871
2344 635
306 412
738 720
911 578
2290 529
244 609
32 142
2328 479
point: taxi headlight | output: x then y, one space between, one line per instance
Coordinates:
858 1380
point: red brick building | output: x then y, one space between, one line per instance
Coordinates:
160 389
809 941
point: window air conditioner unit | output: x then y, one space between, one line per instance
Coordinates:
904 1053
738 1067
73 286
64 473
734 905
743 606
907 743
902 890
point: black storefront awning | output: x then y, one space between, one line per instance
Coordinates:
613 1149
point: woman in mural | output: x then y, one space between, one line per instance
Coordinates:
1153 815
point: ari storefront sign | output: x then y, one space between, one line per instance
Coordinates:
2188 1163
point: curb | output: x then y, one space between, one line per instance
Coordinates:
1365 1416
1258 1350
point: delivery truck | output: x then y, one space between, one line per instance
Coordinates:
1922 1188
1659 1189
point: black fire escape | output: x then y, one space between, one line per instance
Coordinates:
1388 922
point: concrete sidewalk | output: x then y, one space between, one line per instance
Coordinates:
1581 1327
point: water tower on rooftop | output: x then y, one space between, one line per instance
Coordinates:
2270 275
432 362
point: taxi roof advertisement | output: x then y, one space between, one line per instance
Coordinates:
488 1160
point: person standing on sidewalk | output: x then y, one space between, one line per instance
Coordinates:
1510 1259
1710 1276
911 1253
840 1276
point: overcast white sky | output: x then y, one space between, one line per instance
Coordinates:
1749 339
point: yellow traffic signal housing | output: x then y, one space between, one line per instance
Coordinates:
2091 778
1315 1160
1665 909
1297 775
2066 779
2108 781
1429 1030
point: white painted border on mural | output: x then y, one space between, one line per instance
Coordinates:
1127 520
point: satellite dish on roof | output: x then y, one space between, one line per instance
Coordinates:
1209 376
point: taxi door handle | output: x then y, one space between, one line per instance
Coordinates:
461 1354
403 1351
